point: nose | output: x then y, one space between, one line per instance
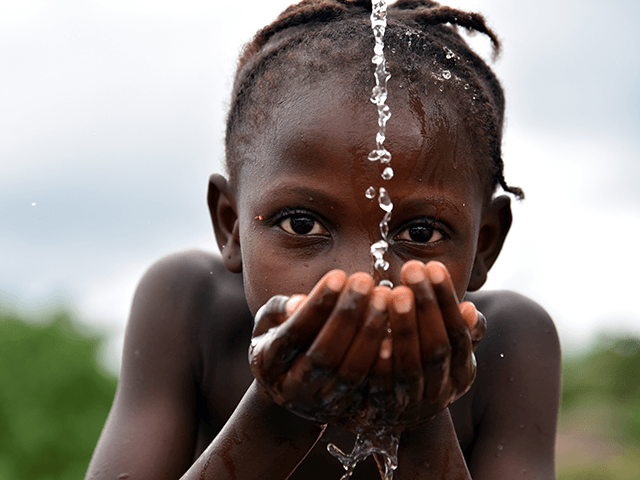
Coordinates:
359 259
355 259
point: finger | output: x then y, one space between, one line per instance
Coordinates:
365 348
459 336
300 328
328 349
293 303
306 321
380 399
475 321
406 347
434 339
270 315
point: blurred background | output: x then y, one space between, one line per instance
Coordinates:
112 118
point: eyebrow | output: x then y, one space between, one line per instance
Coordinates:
435 200
309 192
321 196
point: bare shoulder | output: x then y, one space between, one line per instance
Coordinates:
191 287
516 395
183 307
521 336
509 309
180 297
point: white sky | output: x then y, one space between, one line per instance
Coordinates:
111 120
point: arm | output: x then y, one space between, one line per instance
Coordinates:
432 451
260 441
518 394
152 427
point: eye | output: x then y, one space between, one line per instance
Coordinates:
302 224
421 233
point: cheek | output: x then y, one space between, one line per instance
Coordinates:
460 275
268 270
461 267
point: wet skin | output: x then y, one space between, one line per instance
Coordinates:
317 170
306 215
297 219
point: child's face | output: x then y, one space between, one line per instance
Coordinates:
301 202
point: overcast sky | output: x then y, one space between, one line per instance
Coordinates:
111 120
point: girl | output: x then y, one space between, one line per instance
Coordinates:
295 230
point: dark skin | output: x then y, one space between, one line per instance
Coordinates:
298 225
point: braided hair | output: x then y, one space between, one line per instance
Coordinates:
317 38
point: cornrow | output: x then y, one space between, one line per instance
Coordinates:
301 39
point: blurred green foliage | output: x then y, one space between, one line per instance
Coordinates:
599 432
54 398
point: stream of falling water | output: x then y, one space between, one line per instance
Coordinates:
383 441
380 153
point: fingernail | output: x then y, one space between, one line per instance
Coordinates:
403 301
293 303
415 275
379 301
336 281
469 313
386 349
437 272
361 284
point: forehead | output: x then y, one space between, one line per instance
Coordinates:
329 125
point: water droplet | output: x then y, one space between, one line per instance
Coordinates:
446 74
441 88
500 447
386 283
370 193
466 86
387 174
381 155
33 204
502 355
385 201
449 53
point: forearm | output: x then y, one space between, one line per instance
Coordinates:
261 440
431 452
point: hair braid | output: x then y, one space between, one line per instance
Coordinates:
312 24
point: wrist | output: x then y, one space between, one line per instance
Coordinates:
432 450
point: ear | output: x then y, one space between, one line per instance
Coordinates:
496 221
224 216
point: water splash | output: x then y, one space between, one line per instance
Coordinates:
383 442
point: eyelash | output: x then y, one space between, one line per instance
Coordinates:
289 213
425 222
